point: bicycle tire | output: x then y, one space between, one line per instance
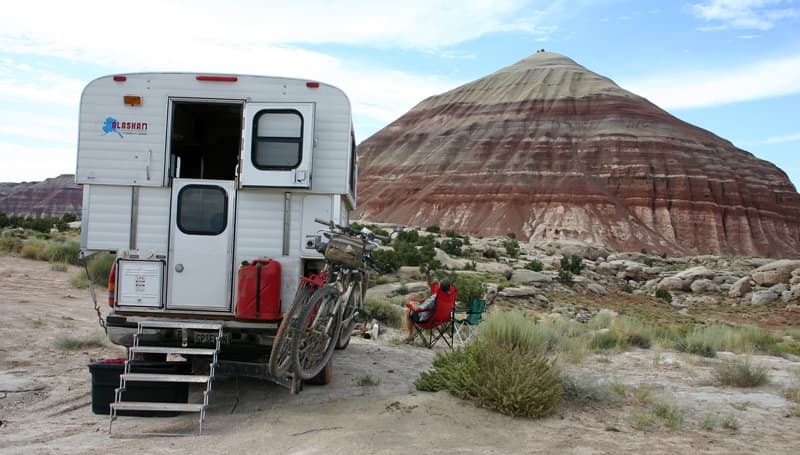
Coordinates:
354 305
280 360
318 332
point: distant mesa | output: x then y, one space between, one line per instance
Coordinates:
52 197
548 150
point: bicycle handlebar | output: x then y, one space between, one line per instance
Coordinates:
348 230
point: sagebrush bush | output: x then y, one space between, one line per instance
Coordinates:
505 370
469 287
33 249
517 331
99 267
10 245
61 251
535 265
740 373
664 295
607 340
384 310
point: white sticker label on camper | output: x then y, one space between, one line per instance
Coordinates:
140 283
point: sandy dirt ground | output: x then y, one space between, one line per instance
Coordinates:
45 399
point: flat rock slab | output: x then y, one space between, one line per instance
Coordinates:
18 381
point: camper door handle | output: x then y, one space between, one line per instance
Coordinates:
147 166
179 268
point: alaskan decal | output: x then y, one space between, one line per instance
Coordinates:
114 126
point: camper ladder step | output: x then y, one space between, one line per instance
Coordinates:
127 378
171 350
154 406
156 324
155 377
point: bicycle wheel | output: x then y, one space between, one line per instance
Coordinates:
355 306
280 358
316 338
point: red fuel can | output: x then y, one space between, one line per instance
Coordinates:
259 290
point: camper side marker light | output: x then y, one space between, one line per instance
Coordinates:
131 100
312 84
217 78
120 78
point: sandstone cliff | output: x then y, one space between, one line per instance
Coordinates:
547 150
50 198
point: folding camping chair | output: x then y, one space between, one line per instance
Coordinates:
466 328
440 325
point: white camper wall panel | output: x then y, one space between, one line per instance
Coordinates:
259 235
120 144
135 154
152 220
108 226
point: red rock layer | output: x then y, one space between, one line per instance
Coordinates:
51 198
546 149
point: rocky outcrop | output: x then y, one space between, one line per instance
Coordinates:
549 150
50 198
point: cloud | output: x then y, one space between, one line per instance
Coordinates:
34 163
150 26
782 139
693 89
742 14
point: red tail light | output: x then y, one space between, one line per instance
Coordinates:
112 284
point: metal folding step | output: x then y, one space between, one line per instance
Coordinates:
128 377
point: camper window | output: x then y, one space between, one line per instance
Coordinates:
277 139
202 210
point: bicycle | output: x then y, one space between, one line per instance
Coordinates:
326 305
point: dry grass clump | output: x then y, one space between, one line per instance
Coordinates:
10 245
505 369
386 311
740 373
72 343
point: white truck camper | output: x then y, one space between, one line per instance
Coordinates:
192 180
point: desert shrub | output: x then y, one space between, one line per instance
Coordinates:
451 246
471 265
535 265
565 276
490 254
99 267
573 264
502 370
649 262
512 247
61 251
72 343
33 249
601 320
384 310
451 234
740 373
721 337
469 288
433 229
59 267
78 280
516 331
607 340
628 289
387 261
664 295
632 331
10 245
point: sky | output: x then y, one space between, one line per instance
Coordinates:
729 66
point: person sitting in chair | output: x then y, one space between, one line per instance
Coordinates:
423 311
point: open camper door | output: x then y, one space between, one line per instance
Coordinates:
201 242
278 145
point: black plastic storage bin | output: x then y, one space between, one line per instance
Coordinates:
105 379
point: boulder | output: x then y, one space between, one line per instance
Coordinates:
775 272
529 276
671 284
450 262
704 286
522 291
493 267
566 247
792 295
682 281
764 297
741 287
597 289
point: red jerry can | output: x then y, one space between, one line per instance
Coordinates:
259 290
